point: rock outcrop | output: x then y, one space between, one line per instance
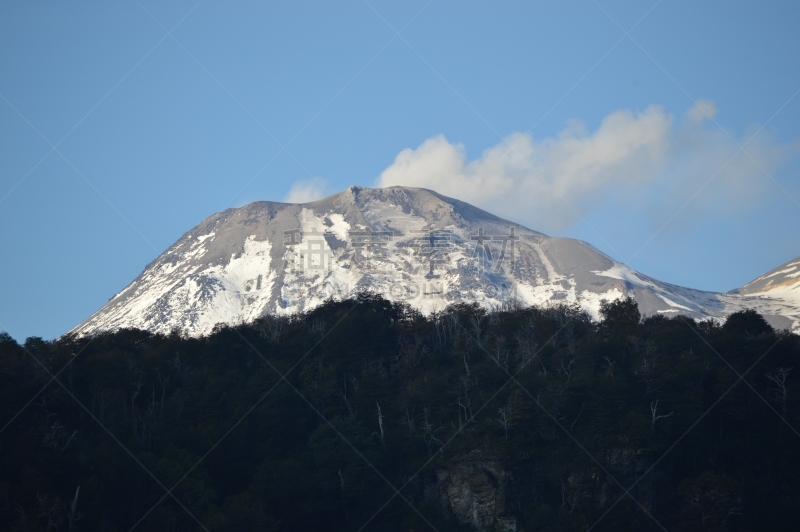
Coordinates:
474 491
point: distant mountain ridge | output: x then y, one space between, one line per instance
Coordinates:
784 278
782 284
409 244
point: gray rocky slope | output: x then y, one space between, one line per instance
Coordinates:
409 244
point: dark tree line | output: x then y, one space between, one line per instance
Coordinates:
376 397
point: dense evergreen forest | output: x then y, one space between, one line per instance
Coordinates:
364 414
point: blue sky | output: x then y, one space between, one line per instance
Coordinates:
673 148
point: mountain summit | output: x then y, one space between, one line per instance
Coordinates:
408 244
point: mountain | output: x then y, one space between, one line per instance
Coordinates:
409 244
782 284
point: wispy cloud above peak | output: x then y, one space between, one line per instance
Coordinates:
305 191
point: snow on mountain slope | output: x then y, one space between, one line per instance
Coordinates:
409 244
781 284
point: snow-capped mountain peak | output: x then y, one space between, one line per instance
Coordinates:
409 244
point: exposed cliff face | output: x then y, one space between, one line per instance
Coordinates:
487 494
476 492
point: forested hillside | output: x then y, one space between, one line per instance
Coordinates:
364 413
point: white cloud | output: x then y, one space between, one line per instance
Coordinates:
306 190
702 110
639 157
